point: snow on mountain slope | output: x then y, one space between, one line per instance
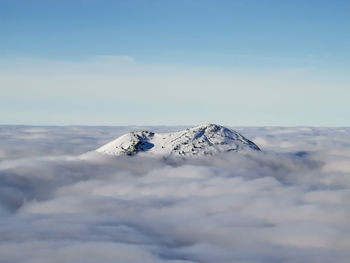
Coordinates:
202 140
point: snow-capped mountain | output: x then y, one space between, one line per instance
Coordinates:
202 140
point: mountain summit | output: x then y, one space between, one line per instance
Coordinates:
202 140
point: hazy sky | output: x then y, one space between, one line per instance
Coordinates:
175 62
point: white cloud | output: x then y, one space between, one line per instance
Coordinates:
290 205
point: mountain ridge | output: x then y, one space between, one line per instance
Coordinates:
208 139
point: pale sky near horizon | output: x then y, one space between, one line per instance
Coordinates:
284 63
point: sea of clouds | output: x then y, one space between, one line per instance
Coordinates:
288 203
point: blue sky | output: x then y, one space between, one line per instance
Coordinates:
255 62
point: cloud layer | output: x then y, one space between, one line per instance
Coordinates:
288 203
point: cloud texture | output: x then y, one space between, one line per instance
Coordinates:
288 203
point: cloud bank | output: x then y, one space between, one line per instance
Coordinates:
288 203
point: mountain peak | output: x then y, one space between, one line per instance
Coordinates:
208 139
